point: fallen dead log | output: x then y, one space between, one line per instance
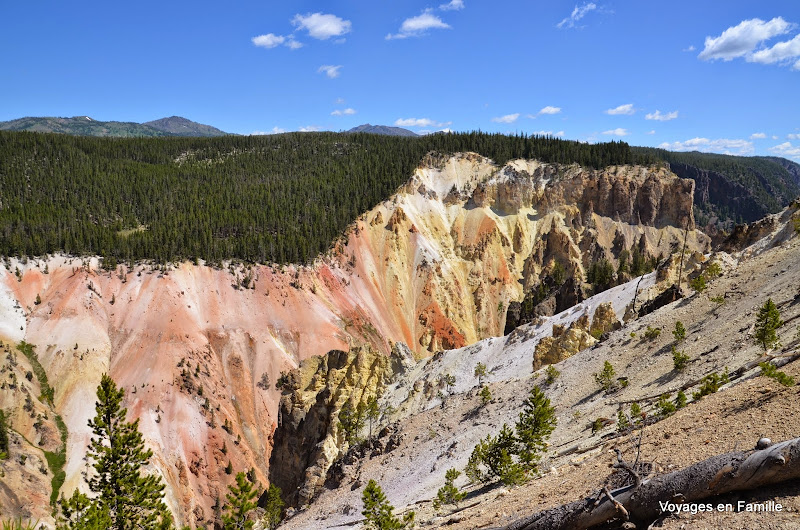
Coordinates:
737 471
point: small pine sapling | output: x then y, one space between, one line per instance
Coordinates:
551 373
679 332
449 494
480 372
679 359
665 406
486 395
710 384
698 283
622 421
767 322
769 370
680 400
605 377
652 334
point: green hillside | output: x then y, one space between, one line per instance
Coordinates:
279 198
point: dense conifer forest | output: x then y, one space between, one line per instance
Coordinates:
280 198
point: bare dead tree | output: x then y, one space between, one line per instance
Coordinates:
639 502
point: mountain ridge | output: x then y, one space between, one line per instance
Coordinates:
87 126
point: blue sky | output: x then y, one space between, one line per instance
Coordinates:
682 75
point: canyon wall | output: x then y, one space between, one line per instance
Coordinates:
199 350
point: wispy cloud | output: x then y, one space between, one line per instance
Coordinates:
418 26
550 110
651 132
508 118
343 112
792 136
310 128
657 116
293 44
322 26
705 145
275 130
786 149
420 122
691 48
742 39
549 133
578 13
332 71
758 136
617 132
270 40
340 101
625 110
453 5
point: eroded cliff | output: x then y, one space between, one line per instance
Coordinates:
198 349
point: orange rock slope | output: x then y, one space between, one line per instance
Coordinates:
198 350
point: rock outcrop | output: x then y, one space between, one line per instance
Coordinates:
309 437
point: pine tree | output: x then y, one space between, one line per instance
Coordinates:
536 422
378 511
767 321
273 511
123 498
449 494
3 436
240 504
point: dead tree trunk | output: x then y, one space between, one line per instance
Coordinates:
738 471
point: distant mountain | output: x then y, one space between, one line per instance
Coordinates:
86 126
177 126
382 129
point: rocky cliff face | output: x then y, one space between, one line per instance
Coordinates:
198 350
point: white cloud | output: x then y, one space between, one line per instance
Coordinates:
549 133
453 5
759 135
344 112
651 132
275 130
418 25
339 101
780 53
332 71
419 122
270 40
691 48
577 14
626 109
786 149
322 26
310 128
792 136
705 145
550 110
796 65
293 44
774 137
617 132
508 118
741 40
661 117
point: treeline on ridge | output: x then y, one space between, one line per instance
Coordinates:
279 198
